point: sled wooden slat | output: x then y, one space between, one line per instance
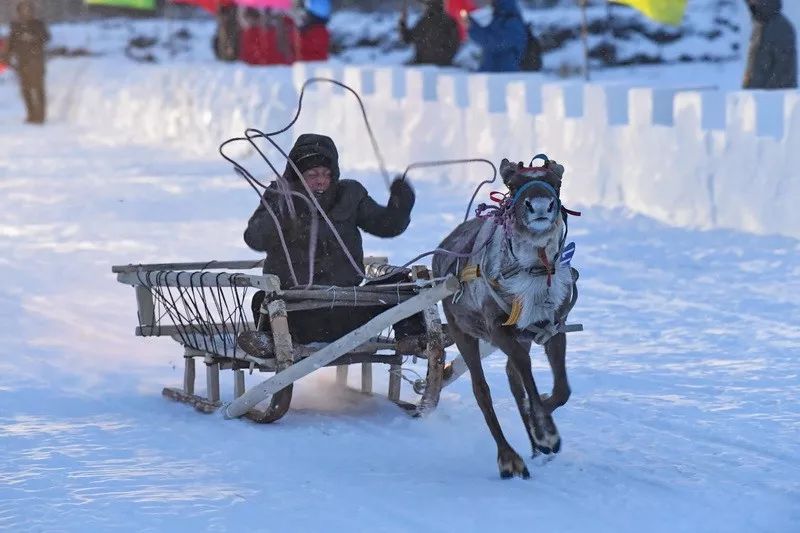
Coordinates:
145 306
246 264
169 330
212 380
336 349
395 382
188 375
366 378
341 375
195 279
238 383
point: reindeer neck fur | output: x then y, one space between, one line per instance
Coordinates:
519 273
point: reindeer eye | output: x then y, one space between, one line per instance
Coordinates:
551 206
529 205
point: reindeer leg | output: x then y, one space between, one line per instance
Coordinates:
556 350
520 396
508 461
540 424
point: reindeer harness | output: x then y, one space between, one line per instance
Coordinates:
502 214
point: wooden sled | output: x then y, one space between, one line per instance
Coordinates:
204 307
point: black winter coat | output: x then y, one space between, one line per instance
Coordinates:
349 207
435 37
26 44
772 58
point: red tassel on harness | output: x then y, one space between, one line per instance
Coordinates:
548 265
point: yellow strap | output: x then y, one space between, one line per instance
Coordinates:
470 272
516 312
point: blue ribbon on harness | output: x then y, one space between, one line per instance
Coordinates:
567 253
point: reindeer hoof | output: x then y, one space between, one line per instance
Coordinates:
511 464
545 437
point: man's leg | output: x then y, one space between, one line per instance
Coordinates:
27 95
40 97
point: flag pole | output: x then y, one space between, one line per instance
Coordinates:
585 40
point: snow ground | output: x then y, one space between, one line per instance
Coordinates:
684 415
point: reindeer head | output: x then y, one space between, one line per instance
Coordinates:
535 192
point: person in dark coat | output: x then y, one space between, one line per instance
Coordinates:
350 208
435 36
226 38
504 40
772 58
26 52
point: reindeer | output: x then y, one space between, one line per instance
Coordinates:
516 289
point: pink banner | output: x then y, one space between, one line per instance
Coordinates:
275 4
209 5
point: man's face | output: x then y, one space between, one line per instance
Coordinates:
318 179
25 11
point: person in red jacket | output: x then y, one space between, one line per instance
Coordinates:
312 39
251 47
458 9
277 39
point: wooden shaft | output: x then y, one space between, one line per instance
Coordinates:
348 294
319 304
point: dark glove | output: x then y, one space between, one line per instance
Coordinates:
402 195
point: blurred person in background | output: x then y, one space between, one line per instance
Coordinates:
251 46
434 37
312 39
458 9
772 58
25 52
277 38
226 38
504 40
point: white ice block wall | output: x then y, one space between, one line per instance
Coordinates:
696 158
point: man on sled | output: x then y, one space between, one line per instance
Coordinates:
350 208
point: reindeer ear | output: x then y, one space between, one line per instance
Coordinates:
507 171
557 168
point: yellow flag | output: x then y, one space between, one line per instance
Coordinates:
666 11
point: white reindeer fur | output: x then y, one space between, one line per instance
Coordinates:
539 302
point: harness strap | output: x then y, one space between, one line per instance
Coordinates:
549 268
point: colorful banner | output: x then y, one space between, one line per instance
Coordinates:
130 4
665 11
212 6
274 4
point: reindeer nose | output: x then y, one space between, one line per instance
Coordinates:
540 207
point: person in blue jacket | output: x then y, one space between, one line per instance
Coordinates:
503 40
